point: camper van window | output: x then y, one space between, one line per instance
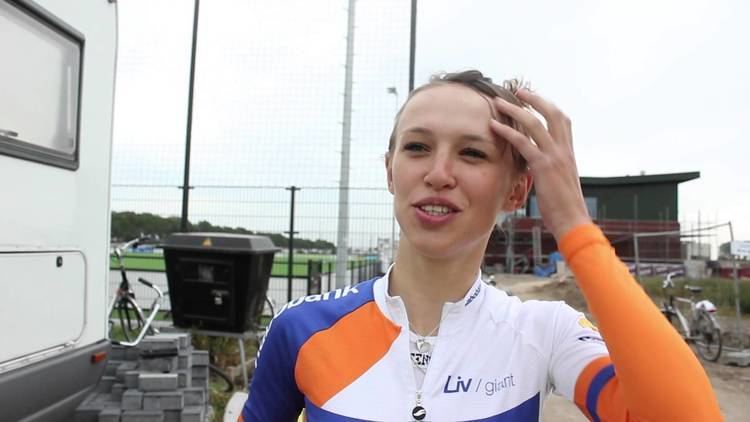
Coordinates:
40 85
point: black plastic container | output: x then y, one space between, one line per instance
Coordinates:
218 281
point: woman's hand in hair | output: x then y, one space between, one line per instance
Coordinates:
550 157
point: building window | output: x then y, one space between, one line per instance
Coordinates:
591 205
534 208
40 85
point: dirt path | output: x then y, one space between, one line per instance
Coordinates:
731 384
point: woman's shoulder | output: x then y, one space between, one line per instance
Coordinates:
325 308
524 314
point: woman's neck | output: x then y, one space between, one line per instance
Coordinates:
425 284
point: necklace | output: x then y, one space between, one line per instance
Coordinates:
423 346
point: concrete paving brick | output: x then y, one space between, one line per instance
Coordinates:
86 414
109 415
117 390
192 414
131 379
132 353
89 410
111 368
200 358
105 384
194 396
132 399
199 382
158 343
117 353
157 382
142 416
172 415
163 400
199 371
124 368
184 377
184 360
161 364
183 339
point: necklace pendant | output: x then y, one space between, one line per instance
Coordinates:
422 345
418 413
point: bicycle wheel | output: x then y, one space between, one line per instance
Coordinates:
708 337
131 318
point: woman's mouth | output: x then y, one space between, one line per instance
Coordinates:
435 210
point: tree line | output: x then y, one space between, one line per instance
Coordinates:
128 225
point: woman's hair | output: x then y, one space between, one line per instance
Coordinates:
475 80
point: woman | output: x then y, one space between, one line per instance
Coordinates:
429 340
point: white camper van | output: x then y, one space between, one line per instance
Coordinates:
57 71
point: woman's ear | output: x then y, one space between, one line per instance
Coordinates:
388 172
519 192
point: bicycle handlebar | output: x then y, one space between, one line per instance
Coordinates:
149 284
155 306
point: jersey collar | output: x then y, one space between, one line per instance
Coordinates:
455 314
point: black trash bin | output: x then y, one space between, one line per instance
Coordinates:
217 281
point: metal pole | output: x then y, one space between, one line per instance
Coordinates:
412 43
186 180
393 90
290 261
736 290
668 218
342 241
637 258
509 253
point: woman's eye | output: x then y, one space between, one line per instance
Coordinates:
474 153
415 147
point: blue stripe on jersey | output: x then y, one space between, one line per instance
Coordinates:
303 318
316 414
597 384
526 411
274 394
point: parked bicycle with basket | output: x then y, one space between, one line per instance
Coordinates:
698 325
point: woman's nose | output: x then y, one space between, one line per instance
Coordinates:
440 173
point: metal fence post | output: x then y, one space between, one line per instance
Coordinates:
330 270
291 232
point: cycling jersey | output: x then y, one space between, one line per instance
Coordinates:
344 355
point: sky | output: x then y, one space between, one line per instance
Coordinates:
651 87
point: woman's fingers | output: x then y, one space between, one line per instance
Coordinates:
523 144
536 128
558 123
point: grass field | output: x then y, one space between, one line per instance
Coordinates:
720 291
155 262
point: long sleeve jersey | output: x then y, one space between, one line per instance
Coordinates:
345 356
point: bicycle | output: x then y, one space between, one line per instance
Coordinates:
701 329
134 324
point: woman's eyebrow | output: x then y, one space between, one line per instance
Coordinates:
474 138
418 129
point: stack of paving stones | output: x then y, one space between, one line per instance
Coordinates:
161 380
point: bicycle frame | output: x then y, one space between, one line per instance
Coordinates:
124 300
687 326
701 328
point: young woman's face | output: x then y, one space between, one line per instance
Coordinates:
449 174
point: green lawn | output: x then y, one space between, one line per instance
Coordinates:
720 291
155 262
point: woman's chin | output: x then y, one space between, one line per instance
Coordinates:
438 249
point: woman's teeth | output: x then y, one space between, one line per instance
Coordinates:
435 209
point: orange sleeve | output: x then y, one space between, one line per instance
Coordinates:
653 375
